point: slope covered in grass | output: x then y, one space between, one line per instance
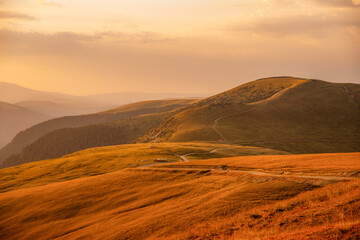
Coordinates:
254 91
183 204
296 115
329 164
134 204
96 161
331 212
32 134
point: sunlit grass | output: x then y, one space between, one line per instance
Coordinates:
96 161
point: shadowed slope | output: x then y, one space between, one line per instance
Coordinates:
34 133
299 116
68 140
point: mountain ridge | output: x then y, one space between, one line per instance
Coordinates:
300 111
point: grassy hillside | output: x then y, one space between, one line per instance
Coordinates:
15 119
294 115
96 161
331 212
254 91
185 204
32 134
329 164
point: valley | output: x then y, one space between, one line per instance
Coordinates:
276 158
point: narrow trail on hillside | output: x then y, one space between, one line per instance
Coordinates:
266 141
351 96
215 123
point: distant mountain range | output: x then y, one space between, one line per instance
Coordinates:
60 136
283 113
14 119
46 105
58 104
122 98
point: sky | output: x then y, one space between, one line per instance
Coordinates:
86 47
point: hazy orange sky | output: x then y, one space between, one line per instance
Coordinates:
202 46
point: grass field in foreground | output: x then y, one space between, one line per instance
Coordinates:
330 212
195 204
135 203
96 161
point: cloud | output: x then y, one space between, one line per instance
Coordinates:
328 3
299 25
338 3
143 37
24 43
15 15
50 3
280 3
28 43
76 37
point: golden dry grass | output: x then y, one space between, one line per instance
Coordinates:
331 164
96 161
190 204
135 204
331 212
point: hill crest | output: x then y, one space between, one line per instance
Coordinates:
296 115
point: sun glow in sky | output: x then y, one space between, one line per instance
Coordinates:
203 46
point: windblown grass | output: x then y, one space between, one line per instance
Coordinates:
331 164
136 204
96 161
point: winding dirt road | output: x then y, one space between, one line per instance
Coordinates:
247 172
184 156
351 96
